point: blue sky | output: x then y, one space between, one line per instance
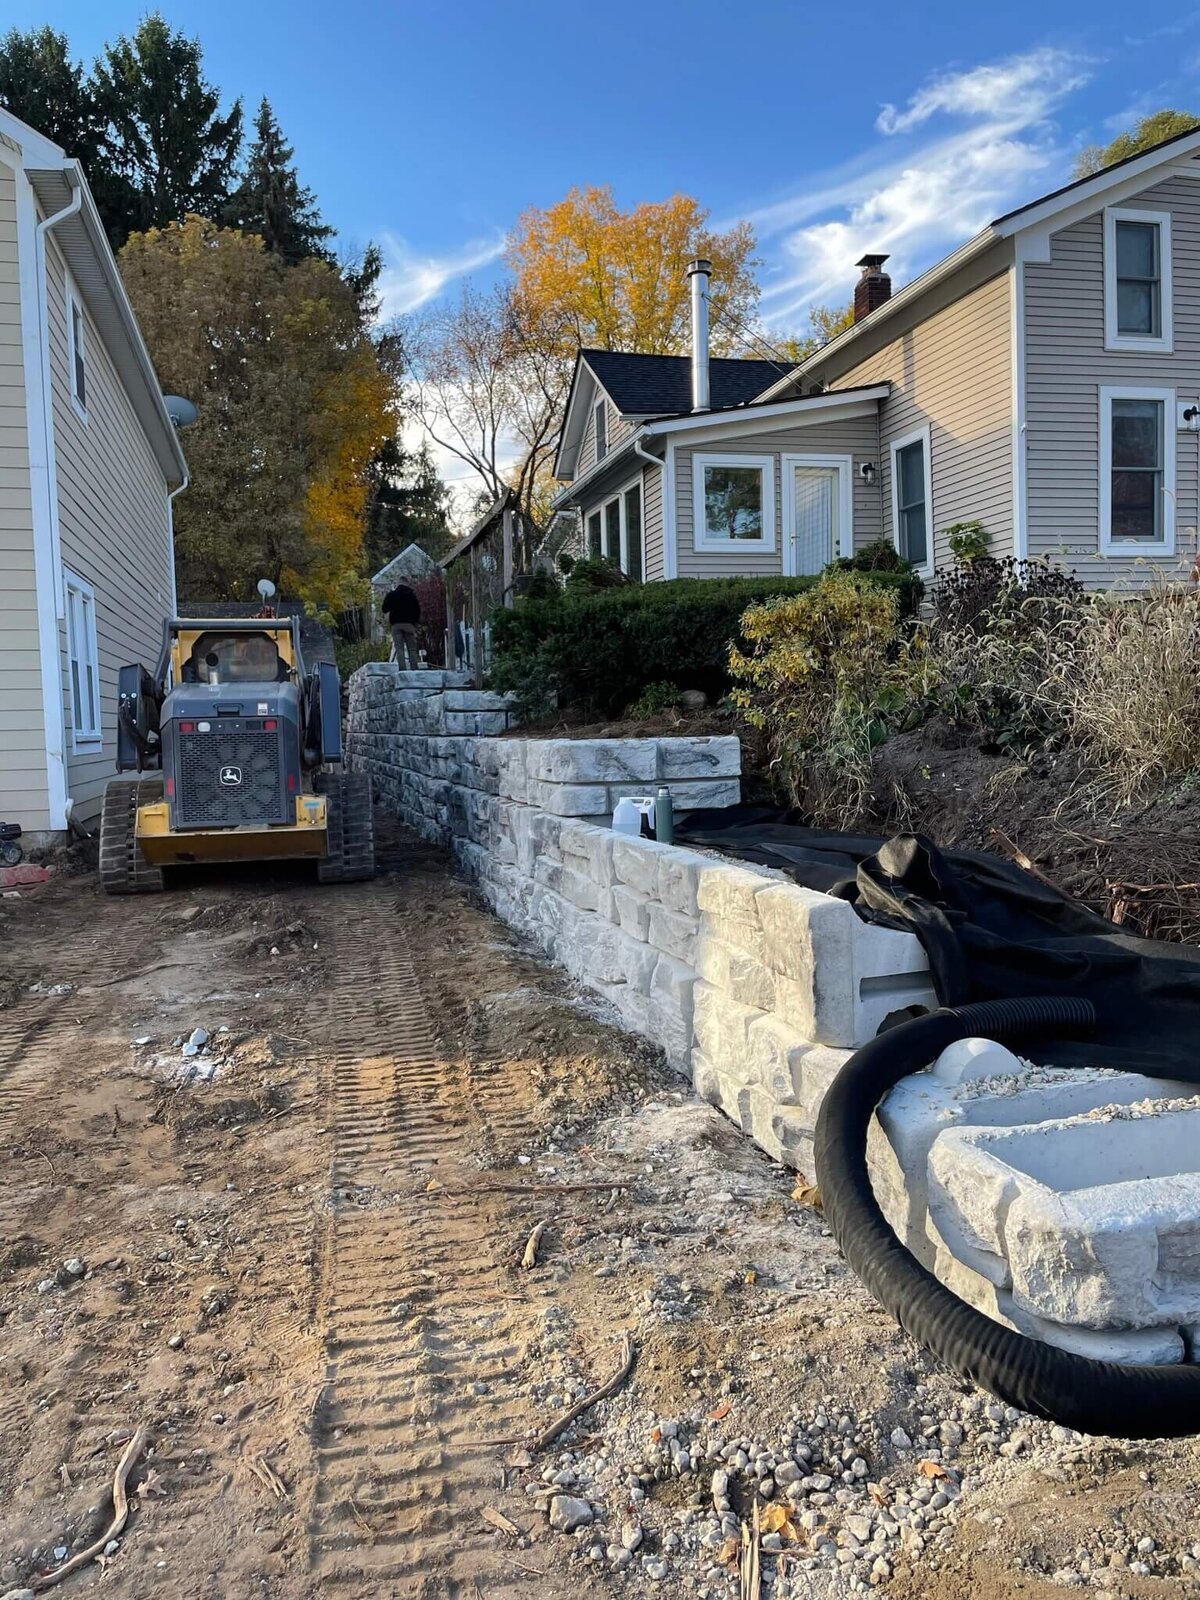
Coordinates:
835 130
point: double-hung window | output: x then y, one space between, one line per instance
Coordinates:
1137 280
734 502
76 351
631 555
595 535
1137 470
615 531
912 499
601 424
83 660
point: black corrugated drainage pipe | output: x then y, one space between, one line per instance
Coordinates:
1105 1397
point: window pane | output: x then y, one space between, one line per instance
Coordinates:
912 475
93 721
1137 433
914 545
593 527
633 531
612 531
1137 250
76 698
1136 505
601 433
1137 308
733 507
77 345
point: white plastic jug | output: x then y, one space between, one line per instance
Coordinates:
634 814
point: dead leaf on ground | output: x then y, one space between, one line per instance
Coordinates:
730 1550
932 1469
807 1194
497 1519
776 1519
721 1411
752 1276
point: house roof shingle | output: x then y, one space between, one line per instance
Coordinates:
643 385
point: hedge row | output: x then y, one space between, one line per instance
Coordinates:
598 649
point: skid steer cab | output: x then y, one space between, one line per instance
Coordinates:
237 752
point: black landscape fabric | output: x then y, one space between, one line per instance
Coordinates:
991 931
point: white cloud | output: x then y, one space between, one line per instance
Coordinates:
1021 89
917 206
410 280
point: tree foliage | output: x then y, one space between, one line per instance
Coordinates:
167 150
294 406
407 504
589 274
42 85
1144 135
271 201
824 324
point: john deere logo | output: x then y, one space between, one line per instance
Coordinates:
231 777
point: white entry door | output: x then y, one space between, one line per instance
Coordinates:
816 505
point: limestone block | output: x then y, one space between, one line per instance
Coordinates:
595 760
679 878
475 700
548 872
729 893
596 954
477 722
592 846
671 988
699 758
636 861
572 799
581 891
722 1030
637 961
687 796
737 973
672 932
632 911
809 941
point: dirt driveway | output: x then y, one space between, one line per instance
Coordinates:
295 1258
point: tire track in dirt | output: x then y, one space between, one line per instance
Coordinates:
421 1340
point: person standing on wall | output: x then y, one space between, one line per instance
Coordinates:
403 611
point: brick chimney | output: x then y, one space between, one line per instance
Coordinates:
872 288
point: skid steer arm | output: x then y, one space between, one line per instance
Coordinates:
138 704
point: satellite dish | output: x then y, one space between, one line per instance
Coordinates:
266 588
181 412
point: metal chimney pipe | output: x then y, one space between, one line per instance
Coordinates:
699 272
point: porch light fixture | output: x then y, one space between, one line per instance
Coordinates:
867 473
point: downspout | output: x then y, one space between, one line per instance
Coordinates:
187 478
43 228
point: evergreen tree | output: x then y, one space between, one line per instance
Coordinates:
408 505
42 85
167 149
272 202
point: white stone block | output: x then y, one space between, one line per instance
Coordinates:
581 891
722 1029
699 758
679 878
733 971
592 846
632 911
672 932
573 799
595 760
670 1009
730 893
636 861
711 796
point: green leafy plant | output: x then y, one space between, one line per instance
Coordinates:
595 572
880 555
354 653
968 541
824 674
654 699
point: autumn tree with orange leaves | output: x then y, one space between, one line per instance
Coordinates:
294 403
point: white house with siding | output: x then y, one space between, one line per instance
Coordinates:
1043 379
89 462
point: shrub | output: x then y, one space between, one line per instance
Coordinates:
596 572
654 699
597 650
354 653
998 632
880 555
968 540
824 675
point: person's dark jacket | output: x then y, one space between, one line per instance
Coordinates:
401 605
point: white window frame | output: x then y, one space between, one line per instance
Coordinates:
844 466
77 349
765 545
600 415
1113 340
917 436
1137 547
618 496
81 654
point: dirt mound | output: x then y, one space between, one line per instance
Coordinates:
1139 866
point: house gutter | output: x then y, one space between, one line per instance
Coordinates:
171 496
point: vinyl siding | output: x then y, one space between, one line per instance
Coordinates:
23 787
1067 365
114 530
857 437
652 522
618 429
953 372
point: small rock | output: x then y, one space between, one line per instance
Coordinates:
46 1284
61 1552
72 1269
900 1439
693 700
18 1594
568 1513
111 1548
145 1039
656 1571
175 1342
631 1535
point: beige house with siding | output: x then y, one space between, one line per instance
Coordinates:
1043 379
89 463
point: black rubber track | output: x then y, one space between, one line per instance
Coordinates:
123 867
1102 1397
349 826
